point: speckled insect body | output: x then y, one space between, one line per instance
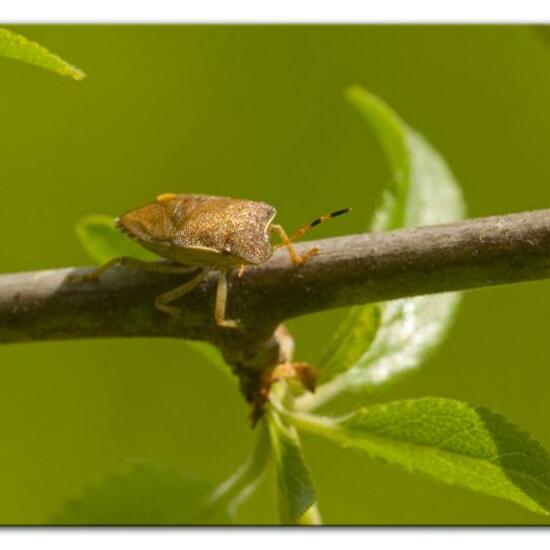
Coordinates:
201 230
200 233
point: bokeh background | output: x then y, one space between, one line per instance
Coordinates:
258 112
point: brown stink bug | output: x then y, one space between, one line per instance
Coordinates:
202 233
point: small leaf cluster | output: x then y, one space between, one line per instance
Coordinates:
375 345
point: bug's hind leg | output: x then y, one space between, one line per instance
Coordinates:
163 300
221 303
286 242
133 263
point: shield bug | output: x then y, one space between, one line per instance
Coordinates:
199 233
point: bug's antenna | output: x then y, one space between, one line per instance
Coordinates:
321 219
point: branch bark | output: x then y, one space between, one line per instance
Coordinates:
350 270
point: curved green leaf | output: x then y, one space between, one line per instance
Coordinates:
233 491
389 129
353 339
142 494
296 490
450 441
413 327
103 242
422 191
15 46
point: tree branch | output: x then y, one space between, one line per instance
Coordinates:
350 270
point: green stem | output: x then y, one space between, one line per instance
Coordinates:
311 422
232 492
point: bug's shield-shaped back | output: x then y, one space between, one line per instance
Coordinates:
203 230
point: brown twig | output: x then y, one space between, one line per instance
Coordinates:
350 270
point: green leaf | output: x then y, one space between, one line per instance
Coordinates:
103 242
392 136
451 441
142 494
296 490
422 191
353 338
15 46
232 492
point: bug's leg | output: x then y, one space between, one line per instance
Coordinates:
317 221
163 300
221 302
133 263
286 242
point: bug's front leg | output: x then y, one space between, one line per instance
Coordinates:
221 303
133 263
286 242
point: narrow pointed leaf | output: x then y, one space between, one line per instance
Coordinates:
103 242
296 490
353 339
450 441
15 46
142 494
236 489
392 137
428 194
422 191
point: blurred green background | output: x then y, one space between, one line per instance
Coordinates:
258 112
